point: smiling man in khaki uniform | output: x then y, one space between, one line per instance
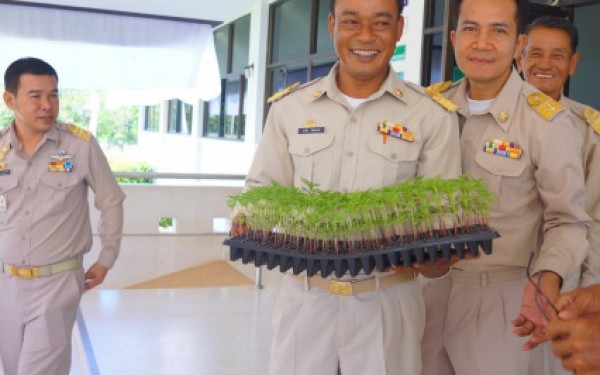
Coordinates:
46 169
326 132
549 58
525 146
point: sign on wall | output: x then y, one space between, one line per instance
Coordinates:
406 60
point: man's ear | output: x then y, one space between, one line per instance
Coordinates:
9 100
573 63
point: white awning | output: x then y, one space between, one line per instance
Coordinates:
139 58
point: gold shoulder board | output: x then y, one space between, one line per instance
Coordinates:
592 117
439 87
278 95
435 90
79 132
544 105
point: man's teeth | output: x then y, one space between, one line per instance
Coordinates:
365 53
543 75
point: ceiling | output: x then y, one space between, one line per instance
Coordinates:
209 10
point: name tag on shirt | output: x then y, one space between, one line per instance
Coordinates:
312 130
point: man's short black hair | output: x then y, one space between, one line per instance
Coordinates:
400 4
559 24
26 65
520 17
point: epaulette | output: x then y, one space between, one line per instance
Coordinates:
295 87
544 105
280 94
592 117
435 92
79 132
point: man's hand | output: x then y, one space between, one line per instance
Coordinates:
579 302
95 276
238 226
577 343
532 319
441 265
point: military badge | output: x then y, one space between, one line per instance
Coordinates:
503 148
61 162
396 131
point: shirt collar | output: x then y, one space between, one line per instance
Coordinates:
504 105
392 85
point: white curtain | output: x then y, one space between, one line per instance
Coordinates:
137 60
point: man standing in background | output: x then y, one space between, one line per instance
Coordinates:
549 58
46 169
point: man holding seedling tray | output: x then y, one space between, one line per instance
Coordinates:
357 129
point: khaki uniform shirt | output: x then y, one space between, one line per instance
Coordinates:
44 215
314 134
591 165
540 204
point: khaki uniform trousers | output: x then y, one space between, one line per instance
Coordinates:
477 331
374 333
36 322
433 351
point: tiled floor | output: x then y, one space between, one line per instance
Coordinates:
208 331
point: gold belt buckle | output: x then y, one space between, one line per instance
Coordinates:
342 288
24 273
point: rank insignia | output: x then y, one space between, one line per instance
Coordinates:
61 162
544 105
503 148
79 132
278 95
592 117
3 170
396 131
503 116
3 206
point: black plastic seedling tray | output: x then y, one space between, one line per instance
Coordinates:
404 254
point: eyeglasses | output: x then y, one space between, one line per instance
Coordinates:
538 291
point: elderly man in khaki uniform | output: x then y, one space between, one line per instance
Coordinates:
526 147
45 171
326 132
549 58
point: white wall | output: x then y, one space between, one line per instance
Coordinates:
145 252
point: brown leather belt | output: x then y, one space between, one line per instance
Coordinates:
353 287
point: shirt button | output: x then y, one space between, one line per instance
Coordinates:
497 169
29 164
23 239
353 120
393 156
307 150
26 213
29 188
60 185
350 154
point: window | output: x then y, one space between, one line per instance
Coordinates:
225 116
300 51
179 118
436 53
151 118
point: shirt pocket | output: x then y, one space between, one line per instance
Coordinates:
504 175
10 194
393 161
57 192
313 158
